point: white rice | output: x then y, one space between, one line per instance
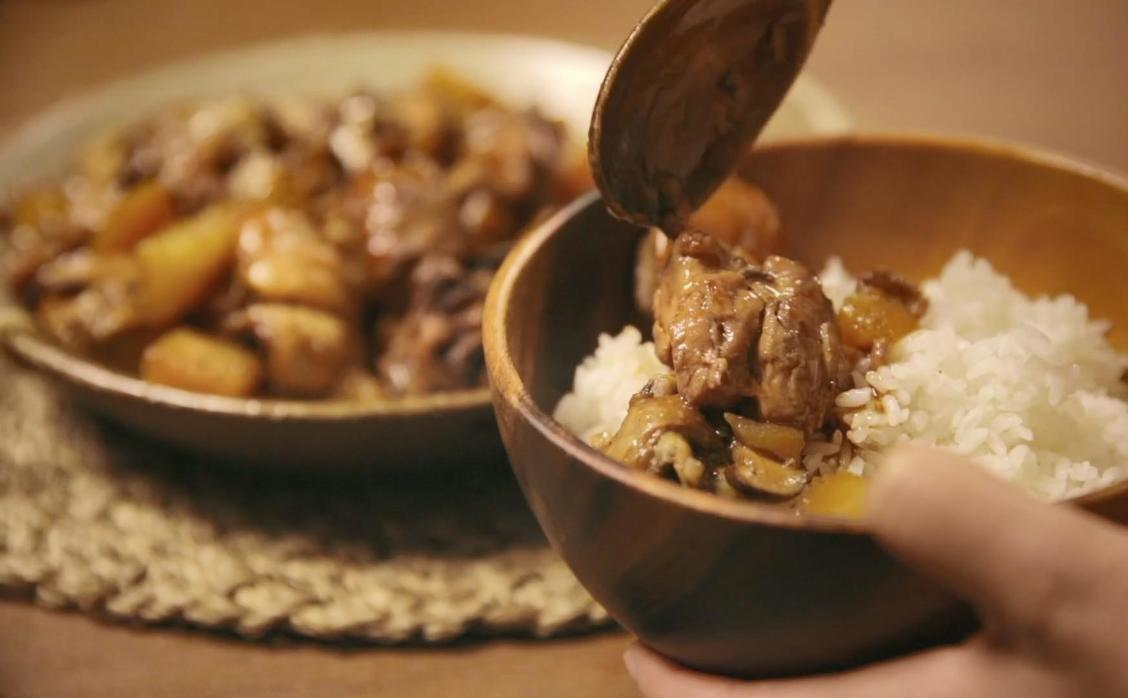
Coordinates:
605 382
1029 388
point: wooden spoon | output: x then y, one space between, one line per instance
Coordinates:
695 81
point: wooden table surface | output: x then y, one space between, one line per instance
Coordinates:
1047 72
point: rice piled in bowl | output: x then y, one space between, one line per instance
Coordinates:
1029 388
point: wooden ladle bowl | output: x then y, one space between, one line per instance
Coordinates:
746 588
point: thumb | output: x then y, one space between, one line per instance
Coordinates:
1012 557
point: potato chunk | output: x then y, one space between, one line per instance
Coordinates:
883 309
838 494
741 215
306 350
281 257
179 265
141 212
103 157
870 316
781 441
187 359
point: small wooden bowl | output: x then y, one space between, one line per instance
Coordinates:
744 588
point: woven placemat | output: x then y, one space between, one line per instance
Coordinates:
90 519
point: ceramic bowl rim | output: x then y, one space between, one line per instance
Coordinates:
30 347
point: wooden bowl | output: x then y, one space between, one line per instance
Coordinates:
412 434
745 588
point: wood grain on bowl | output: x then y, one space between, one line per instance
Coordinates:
740 587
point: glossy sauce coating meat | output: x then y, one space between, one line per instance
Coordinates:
734 330
707 321
758 357
802 366
758 360
438 343
663 435
738 214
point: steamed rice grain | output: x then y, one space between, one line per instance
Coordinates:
605 382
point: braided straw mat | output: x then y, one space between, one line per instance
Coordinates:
91 520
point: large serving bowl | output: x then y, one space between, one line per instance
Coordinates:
421 433
747 588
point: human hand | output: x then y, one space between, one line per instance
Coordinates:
1050 584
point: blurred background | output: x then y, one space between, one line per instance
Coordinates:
1048 72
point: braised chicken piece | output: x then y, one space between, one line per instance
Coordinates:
662 434
95 315
307 350
87 298
36 230
512 158
282 258
802 366
192 154
758 361
500 179
78 269
437 345
738 214
707 321
406 213
734 331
